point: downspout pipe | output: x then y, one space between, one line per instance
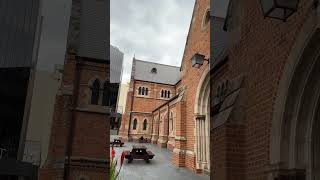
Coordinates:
168 115
72 123
132 99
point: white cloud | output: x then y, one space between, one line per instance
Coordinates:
153 30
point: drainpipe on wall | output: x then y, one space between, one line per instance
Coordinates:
132 99
72 124
168 116
158 126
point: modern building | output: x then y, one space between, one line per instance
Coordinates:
20 24
170 105
116 66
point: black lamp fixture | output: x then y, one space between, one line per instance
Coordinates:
279 9
197 60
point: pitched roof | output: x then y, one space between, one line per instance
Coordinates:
165 74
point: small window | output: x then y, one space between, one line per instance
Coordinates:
162 93
143 90
165 93
106 94
147 91
154 70
168 94
145 123
95 91
140 91
134 124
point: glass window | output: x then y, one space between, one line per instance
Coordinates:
106 94
145 123
134 124
95 92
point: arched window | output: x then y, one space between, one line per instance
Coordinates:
162 93
106 94
145 123
168 94
147 91
143 91
134 124
95 90
165 93
140 91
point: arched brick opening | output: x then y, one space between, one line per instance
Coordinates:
202 123
295 127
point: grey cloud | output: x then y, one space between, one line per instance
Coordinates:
153 30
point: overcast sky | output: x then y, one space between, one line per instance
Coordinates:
153 30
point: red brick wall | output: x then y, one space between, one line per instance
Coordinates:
88 126
142 107
198 42
261 54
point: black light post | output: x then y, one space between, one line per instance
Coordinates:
279 9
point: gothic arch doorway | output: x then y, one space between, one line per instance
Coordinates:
295 140
202 123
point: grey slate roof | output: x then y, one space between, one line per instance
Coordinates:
93 30
141 70
116 62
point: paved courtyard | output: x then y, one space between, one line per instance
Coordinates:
160 167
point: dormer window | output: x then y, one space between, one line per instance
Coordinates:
154 70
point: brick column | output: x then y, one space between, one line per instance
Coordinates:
55 162
155 133
227 152
179 151
163 137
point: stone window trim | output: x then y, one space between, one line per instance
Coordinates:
143 91
206 19
166 94
90 86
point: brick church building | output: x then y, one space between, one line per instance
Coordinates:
170 105
80 126
263 84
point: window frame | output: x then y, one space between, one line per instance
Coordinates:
134 124
95 92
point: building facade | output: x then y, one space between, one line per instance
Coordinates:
20 33
116 63
265 118
170 105
80 124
